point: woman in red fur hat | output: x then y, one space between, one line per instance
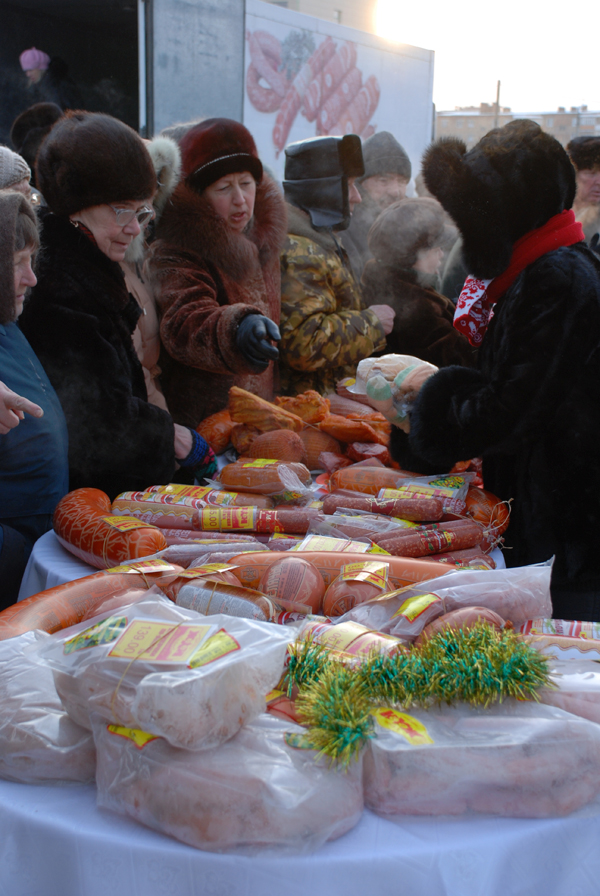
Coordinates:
216 259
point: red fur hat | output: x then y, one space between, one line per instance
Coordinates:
216 147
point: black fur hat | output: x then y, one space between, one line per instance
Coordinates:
88 159
513 181
31 126
584 152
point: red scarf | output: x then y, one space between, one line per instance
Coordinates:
475 306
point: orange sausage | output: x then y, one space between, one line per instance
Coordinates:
81 526
368 480
67 604
249 568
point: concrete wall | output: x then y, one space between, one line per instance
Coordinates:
197 60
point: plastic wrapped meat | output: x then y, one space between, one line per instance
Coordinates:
194 680
256 792
577 688
39 744
514 594
515 759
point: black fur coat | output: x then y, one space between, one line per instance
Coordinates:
79 320
531 409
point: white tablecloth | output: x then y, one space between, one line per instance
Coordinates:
55 842
50 564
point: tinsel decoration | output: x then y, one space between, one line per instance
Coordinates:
479 666
307 661
337 713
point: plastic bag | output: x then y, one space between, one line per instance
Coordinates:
515 759
282 481
39 743
257 792
147 666
578 688
391 383
514 594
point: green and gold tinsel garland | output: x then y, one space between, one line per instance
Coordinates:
479 665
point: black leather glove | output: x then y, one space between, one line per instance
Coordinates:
253 335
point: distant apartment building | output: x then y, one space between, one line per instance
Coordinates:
470 123
353 13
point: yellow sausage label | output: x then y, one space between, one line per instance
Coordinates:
159 642
402 723
125 523
139 738
414 606
219 645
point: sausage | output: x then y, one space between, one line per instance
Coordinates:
265 51
402 570
344 93
415 509
473 558
294 97
337 67
264 477
446 537
291 520
214 496
465 618
85 525
357 114
368 480
65 605
345 430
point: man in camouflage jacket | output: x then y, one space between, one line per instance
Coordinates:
325 329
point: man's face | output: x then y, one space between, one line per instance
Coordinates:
354 196
588 185
384 189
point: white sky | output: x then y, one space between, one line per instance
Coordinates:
545 54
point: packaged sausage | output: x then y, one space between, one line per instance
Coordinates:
349 642
576 687
515 758
433 539
415 509
451 489
356 584
281 444
564 639
286 481
145 666
216 429
262 790
514 594
366 479
212 496
208 597
39 743
87 527
465 618
296 581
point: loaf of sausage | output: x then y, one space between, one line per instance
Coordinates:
265 477
418 509
515 759
260 790
454 536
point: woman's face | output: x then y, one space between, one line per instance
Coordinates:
24 277
429 260
232 197
111 237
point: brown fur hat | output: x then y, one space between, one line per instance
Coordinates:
584 152
514 180
406 227
89 159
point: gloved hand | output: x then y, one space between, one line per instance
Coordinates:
252 339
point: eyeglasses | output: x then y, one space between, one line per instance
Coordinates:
126 215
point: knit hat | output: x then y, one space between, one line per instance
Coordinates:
584 152
384 155
216 147
13 168
89 159
34 59
12 205
405 228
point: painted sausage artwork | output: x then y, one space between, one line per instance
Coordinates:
322 83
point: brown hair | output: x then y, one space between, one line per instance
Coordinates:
18 231
26 233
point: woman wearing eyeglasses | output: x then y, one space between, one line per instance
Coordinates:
98 182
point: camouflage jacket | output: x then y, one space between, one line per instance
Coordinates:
325 329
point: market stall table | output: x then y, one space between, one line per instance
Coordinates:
57 843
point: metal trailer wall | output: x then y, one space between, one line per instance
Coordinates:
195 60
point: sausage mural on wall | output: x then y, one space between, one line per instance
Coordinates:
308 77
322 83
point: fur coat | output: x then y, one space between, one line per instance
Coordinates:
208 279
79 320
531 409
423 325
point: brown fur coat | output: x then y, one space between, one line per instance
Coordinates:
208 280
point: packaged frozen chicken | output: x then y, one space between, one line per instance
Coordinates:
39 743
262 790
517 758
149 664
